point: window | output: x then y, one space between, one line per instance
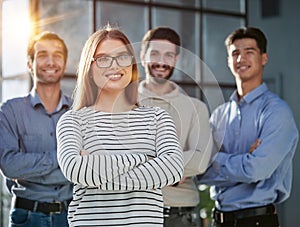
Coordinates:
15 24
203 26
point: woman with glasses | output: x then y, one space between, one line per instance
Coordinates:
118 154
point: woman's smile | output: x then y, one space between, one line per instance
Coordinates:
114 76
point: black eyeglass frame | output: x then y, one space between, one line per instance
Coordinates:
112 60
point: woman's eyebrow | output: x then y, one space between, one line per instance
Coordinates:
109 54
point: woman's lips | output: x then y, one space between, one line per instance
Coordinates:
114 76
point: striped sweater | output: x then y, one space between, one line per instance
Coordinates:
132 156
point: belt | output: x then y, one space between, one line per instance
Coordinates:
177 210
35 206
222 217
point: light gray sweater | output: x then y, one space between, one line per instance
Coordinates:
192 124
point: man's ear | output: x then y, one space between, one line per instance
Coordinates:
228 62
142 58
29 66
177 58
265 58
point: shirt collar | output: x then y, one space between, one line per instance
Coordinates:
35 100
252 95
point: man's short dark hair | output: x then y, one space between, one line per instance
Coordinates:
46 35
248 32
161 33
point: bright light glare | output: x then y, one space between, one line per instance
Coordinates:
202 187
16 31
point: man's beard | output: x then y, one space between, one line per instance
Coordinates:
157 78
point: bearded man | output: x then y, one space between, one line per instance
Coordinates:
159 55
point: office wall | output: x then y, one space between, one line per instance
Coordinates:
283 35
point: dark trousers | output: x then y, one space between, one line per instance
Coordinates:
264 216
181 217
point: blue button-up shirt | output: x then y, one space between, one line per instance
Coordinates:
241 179
28 149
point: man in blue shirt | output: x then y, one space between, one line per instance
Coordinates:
41 193
256 136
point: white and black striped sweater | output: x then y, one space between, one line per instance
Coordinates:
132 156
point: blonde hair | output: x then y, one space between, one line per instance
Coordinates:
86 91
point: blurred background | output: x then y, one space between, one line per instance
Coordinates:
202 71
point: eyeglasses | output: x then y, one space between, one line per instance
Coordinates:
123 60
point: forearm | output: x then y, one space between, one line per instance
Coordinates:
166 168
196 162
90 167
21 165
199 144
55 177
213 176
18 161
95 169
153 174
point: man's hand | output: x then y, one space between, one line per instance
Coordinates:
179 182
84 152
254 145
182 180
